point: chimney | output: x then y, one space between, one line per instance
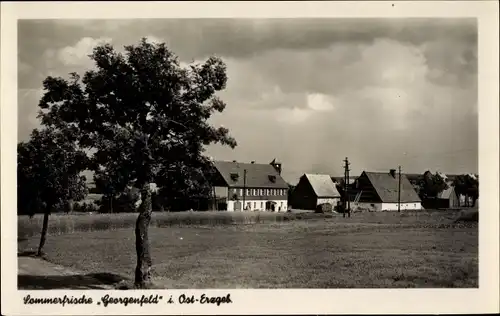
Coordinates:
393 173
276 165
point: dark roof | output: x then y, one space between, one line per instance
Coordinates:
387 187
322 185
258 175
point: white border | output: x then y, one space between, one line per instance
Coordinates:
283 301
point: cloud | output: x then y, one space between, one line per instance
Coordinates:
77 55
292 116
154 40
319 102
309 91
27 111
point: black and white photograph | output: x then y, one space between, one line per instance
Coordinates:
248 153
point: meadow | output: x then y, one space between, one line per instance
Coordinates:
271 250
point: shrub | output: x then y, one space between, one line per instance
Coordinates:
324 208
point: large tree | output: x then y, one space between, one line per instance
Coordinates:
48 174
145 118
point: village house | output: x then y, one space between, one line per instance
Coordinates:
378 191
314 190
445 199
250 186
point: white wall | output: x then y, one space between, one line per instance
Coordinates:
376 207
404 206
332 201
258 205
373 207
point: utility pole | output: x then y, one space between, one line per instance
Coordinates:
244 188
399 190
346 188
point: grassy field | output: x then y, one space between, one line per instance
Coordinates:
368 250
61 223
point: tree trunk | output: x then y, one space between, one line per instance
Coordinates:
143 268
45 226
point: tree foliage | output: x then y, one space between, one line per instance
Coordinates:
467 186
431 185
48 172
145 115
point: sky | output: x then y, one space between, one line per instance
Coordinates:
308 92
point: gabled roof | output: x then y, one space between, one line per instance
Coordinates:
257 175
387 187
322 185
445 194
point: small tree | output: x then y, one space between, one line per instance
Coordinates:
48 168
146 119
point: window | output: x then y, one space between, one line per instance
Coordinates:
248 192
234 176
281 204
241 191
254 204
261 204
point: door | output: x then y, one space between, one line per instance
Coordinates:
237 206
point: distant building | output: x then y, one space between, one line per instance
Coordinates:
313 190
446 199
378 191
338 180
249 186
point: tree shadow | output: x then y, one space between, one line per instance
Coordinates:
30 253
74 282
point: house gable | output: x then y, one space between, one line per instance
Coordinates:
304 188
322 185
387 187
365 191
